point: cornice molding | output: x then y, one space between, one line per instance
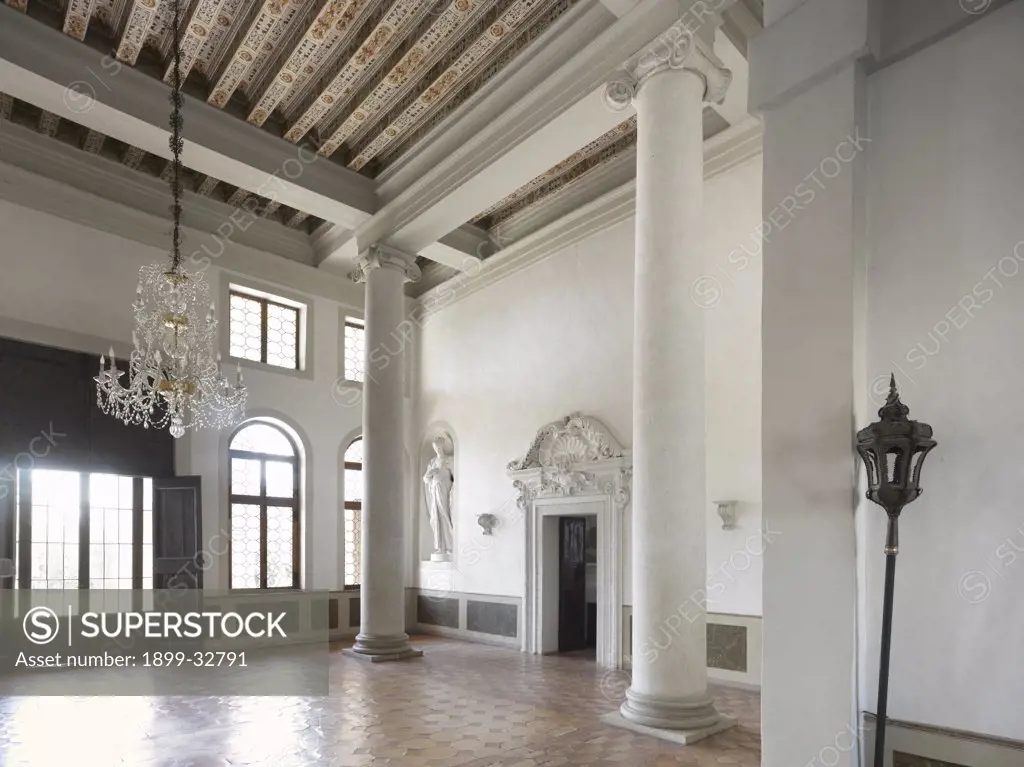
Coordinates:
723 152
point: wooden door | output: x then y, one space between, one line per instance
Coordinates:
177 532
572 584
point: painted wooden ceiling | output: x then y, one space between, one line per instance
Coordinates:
362 80
133 158
575 170
570 170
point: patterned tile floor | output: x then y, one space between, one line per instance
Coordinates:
461 704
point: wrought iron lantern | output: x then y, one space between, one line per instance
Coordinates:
893 450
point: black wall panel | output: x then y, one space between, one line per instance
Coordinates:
49 418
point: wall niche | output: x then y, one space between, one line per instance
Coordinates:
436 494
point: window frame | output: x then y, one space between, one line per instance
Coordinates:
351 321
266 301
21 531
264 502
348 505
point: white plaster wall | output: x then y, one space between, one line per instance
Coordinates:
946 304
557 338
71 286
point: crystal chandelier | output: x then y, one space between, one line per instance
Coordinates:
174 377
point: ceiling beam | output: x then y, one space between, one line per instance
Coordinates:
736 145
297 218
353 72
516 18
524 73
334 249
142 197
584 122
238 197
734 107
333 25
49 123
337 249
140 20
740 25
619 7
93 142
547 121
135 112
462 249
210 22
76 18
133 157
206 186
266 28
452 22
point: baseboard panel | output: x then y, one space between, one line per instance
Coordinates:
467 636
734 648
911 744
481 618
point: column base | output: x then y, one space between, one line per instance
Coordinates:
682 720
378 649
683 737
410 653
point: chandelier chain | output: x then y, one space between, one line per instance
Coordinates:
176 142
174 376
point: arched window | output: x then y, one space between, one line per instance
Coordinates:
353 512
264 503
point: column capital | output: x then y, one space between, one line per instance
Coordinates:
385 257
678 48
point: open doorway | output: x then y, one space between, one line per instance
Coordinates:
544 624
577 585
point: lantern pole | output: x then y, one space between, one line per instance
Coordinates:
891 550
892 486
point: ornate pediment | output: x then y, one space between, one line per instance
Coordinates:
562 458
574 439
574 466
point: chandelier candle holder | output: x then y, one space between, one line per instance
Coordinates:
174 377
893 450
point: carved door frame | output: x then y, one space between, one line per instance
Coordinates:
572 462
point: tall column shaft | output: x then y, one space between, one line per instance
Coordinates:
669 681
382 591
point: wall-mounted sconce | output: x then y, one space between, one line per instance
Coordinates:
727 511
488 522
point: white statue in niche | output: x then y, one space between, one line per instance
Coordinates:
438 482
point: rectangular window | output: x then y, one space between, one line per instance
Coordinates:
355 349
265 329
83 531
353 503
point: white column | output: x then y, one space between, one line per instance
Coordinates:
669 681
382 592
